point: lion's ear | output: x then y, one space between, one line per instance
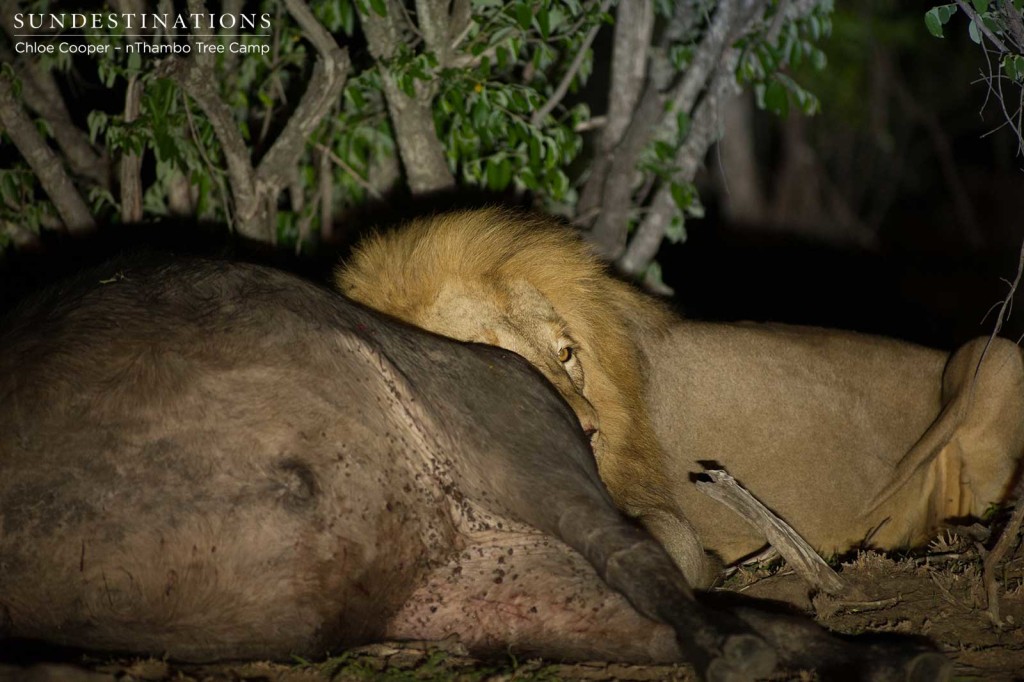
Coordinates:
645 317
528 299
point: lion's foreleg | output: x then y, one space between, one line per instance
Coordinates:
682 543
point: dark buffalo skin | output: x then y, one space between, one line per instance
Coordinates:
211 460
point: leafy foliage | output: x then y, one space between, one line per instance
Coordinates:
509 106
1000 27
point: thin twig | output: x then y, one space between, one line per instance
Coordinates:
574 67
594 123
969 11
210 168
1014 22
995 558
326 183
359 180
1009 533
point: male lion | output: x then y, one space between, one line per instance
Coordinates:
852 439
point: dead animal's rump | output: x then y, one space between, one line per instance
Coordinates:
207 460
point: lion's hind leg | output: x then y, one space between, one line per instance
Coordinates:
969 458
990 438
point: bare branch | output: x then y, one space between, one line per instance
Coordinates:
609 232
704 61
195 76
730 22
460 24
1014 22
350 171
800 556
973 16
255 190
382 35
131 163
634 25
563 86
432 17
426 168
704 131
324 89
326 181
995 557
40 92
44 163
210 168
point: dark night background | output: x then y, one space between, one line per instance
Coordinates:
857 223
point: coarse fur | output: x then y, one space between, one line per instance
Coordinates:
204 460
407 274
435 272
890 438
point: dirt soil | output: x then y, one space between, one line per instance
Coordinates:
939 594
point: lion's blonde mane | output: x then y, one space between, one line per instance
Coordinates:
402 272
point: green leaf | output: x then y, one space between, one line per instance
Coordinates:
675 231
380 7
356 97
653 277
535 152
663 150
347 17
558 183
404 82
479 114
980 5
932 22
499 173
775 99
681 194
544 22
1010 67
1013 65
818 59
524 15
529 179
504 173
682 125
975 34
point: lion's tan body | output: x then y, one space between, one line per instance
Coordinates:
816 423
850 438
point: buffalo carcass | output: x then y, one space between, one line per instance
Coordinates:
208 460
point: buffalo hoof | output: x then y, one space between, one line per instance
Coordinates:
929 667
744 658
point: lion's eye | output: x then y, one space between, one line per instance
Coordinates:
565 354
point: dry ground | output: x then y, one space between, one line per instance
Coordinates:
938 594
